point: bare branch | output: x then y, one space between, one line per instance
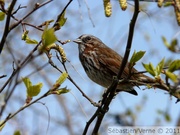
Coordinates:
6 30
20 66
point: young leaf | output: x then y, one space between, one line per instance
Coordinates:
160 66
137 56
165 42
149 68
160 112
27 82
25 35
171 75
48 37
174 42
2 16
167 117
26 38
31 41
62 19
128 112
173 45
62 78
32 90
62 91
17 132
175 65
152 69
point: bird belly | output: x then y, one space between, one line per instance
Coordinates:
97 78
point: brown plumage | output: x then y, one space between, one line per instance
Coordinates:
101 64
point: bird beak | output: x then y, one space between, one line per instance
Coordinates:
78 41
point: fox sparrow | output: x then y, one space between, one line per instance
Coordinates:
101 64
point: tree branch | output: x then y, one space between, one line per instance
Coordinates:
6 30
20 66
111 91
56 24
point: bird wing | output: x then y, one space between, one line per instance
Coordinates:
112 65
112 61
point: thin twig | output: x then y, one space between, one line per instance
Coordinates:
2 76
6 30
25 23
20 66
19 7
22 108
89 13
59 16
71 80
9 94
90 121
17 23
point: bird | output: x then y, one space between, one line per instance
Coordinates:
102 63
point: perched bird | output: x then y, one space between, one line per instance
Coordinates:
101 64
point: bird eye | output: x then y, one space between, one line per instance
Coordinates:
88 38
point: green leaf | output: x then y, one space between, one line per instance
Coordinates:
31 41
175 65
168 62
173 45
167 117
32 90
150 68
62 78
25 35
27 82
128 112
165 42
26 38
62 91
17 132
137 56
160 66
48 37
174 42
2 16
172 76
62 20
138 108
160 112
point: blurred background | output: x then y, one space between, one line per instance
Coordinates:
68 113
